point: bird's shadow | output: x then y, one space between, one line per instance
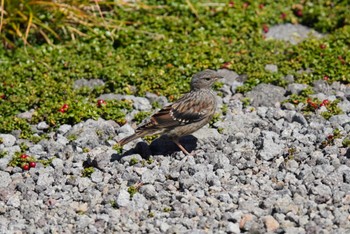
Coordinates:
160 146
347 154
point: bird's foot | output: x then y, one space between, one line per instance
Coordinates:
183 149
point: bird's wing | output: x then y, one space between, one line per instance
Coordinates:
186 110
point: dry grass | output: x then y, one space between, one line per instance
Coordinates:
33 21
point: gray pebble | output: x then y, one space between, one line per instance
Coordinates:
4 163
37 150
123 198
148 191
164 227
90 83
296 88
7 140
5 179
97 176
45 179
42 126
133 157
289 78
340 120
28 115
141 104
271 68
228 76
293 33
126 129
235 85
270 148
102 156
63 129
292 165
83 183
153 98
149 176
266 95
14 201
57 163
299 118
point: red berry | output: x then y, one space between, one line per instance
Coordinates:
32 164
62 110
326 77
341 59
330 137
101 102
265 28
311 103
245 5
299 13
314 105
323 46
226 65
25 166
23 156
231 4
261 6
283 16
324 102
2 96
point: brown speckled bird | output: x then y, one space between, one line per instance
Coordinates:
185 116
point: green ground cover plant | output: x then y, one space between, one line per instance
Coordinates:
87 171
153 46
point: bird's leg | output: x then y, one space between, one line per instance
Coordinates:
181 147
138 185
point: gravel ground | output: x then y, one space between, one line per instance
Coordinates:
262 168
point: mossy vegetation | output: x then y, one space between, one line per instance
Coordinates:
330 138
151 138
2 153
87 171
118 148
46 162
132 190
133 161
167 209
149 161
140 116
154 46
21 160
345 142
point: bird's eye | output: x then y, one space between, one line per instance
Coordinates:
208 78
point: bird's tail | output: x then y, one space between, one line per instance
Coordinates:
128 139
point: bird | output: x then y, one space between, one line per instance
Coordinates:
186 115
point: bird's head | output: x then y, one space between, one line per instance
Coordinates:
204 79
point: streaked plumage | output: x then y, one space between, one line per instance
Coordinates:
185 116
